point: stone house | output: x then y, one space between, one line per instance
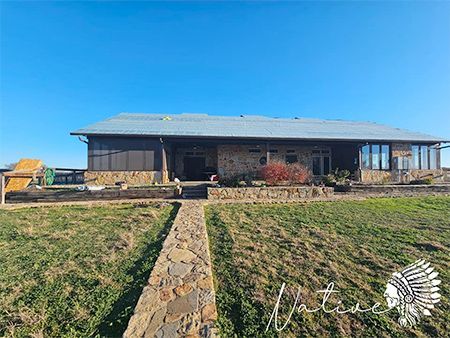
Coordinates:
146 148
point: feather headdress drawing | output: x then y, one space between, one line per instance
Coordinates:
413 292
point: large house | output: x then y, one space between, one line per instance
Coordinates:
145 148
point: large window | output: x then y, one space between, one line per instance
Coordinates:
424 157
415 161
375 156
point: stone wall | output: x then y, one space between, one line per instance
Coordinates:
237 159
394 190
130 177
375 176
395 176
264 193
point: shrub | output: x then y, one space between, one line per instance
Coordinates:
329 180
275 172
337 176
427 181
298 174
230 181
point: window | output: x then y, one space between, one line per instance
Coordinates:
291 159
365 157
316 166
424 157
375 156
385 157
254 150
376 159
433 158
290 151
273 151
415 162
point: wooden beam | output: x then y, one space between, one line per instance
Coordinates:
22 174
2 189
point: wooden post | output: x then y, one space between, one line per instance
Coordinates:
2 187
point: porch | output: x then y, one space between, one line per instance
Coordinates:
197 160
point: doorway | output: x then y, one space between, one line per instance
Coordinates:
321 162
194 168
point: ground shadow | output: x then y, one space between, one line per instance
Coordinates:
115 323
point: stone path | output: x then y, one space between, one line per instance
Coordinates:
179 299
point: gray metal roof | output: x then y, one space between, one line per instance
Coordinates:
249 126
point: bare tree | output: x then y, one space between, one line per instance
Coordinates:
10 166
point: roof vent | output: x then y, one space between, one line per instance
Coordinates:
166 118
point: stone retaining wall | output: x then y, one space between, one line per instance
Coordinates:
106 194
258 193
399 190
179 300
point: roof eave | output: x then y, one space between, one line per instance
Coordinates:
76 133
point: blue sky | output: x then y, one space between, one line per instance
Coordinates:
65 65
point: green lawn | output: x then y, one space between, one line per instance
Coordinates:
356 244
76 271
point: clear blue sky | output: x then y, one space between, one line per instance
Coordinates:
65 65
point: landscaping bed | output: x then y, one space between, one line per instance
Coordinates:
77 271
355 244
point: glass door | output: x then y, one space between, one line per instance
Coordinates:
321 162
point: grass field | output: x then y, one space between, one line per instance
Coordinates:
355 244
76 271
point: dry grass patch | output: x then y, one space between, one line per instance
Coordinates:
76 270
356 244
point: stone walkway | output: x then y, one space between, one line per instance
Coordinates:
179 299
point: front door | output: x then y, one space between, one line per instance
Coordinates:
194 168
321 162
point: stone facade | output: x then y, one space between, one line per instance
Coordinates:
264 193
179 300
238 159
130 177
375 176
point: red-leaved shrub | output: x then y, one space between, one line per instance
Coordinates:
298 174
275 172
278 172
